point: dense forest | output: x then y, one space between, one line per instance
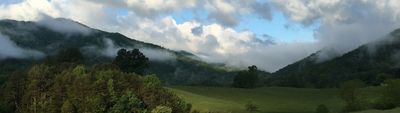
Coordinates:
67 86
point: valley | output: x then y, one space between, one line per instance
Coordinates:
46 69
268 99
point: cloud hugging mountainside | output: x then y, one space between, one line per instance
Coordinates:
26 42
372 63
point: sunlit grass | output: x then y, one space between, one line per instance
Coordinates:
269 99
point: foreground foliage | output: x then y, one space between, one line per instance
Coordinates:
69 88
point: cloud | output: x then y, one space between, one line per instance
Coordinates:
111 50
107 49
157 55
344 24
216 41
224 12
149 9
219 44
8 49
197 31
63 25
339 25
228 13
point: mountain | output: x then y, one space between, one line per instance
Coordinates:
29 42
372 63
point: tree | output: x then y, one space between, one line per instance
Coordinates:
151 81
11 95
351 94
131 61
322 109
127 103
38 84
246 79
44 89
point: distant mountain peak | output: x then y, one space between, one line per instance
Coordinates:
365 62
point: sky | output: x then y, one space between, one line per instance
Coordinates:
267 33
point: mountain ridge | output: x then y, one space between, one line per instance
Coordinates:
372 63
177 68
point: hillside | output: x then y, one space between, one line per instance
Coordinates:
32 42
371 63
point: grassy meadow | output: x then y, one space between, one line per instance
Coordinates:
397 110
268 99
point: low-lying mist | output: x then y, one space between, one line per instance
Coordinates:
8 49
110 49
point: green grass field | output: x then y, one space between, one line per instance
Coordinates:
397 110
269 99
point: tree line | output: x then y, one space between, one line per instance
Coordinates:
65 85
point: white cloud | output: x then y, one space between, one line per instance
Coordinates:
110 49
63 25
158 55
344 24
220 44
217 42
8 49
228 12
